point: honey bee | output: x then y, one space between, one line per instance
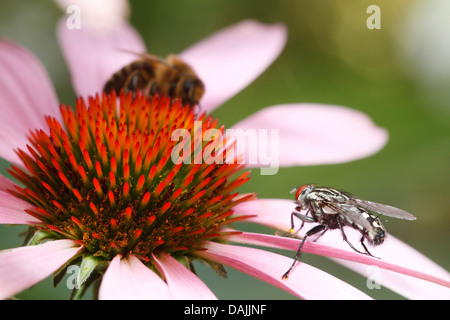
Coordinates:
151 74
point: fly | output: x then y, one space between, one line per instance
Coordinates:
334 209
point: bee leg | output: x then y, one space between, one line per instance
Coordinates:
133 83
171 92
151 88
311 232
348 242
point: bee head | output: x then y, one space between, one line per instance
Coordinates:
193 88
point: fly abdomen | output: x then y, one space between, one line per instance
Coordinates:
376 233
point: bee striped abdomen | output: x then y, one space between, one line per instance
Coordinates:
154 75
133 77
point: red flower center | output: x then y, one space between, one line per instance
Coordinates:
107 179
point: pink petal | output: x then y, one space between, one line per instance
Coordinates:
305 281
23 267
309 134
407 262
93 57
274 213
232 58
130 279
12 209
5 183
411 267
183 284
425 280
26 95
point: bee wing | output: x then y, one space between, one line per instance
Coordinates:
147 56
383 209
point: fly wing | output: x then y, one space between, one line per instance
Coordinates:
352 213
383 209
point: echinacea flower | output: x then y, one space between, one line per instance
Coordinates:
99 190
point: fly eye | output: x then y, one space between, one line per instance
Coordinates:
299 191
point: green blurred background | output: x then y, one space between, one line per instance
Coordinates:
398 75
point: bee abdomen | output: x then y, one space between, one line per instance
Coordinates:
132 77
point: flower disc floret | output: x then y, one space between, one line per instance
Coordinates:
106 178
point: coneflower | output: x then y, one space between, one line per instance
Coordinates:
104 187
105 179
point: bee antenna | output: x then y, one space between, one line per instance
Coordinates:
294 190
130 52
145 55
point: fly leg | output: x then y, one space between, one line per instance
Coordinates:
323 232
349 243
302 217
311 232
365 248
